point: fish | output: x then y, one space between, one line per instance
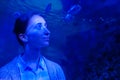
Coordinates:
48 8
74 9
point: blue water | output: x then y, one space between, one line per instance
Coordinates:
87 46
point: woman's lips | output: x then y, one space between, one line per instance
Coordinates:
47 39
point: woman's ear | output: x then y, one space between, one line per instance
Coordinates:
23 38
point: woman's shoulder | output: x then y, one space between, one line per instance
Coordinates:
55 68
50 62
53 65
9 66
7 69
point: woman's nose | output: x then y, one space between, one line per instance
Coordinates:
47 32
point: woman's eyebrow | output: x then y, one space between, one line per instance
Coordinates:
39 23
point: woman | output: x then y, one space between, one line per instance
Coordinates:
32 33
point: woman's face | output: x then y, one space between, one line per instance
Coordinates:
37 32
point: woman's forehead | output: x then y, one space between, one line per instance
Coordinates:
36 19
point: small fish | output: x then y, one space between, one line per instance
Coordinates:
48 8
68 18
72 12
74 9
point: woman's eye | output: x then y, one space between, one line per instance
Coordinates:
38 26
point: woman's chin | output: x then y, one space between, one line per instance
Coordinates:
45 44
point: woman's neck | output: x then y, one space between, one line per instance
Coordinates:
31 55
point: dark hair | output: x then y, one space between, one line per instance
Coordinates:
21 24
